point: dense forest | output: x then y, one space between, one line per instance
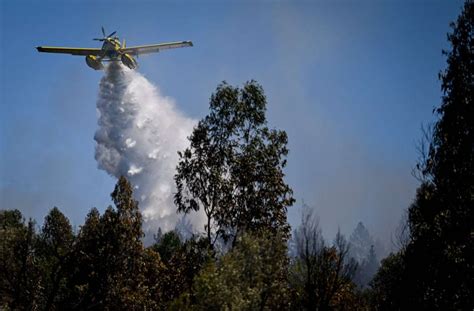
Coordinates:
248 257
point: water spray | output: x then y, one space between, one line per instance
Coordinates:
140 132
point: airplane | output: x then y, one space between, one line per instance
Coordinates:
113 50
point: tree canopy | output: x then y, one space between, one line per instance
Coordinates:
233 169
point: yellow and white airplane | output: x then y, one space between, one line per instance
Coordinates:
112 50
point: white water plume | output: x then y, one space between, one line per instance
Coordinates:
140 132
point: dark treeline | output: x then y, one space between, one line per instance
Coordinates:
434 270
248 258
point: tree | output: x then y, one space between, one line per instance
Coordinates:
389 284
182 261
55 248
19 272
11 219
360 243
184 264
321 275
367 269
362 249
154 283
86 275
233 169
112 268
167 244
440 253
252 276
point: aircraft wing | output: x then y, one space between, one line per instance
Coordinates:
155 48
72 51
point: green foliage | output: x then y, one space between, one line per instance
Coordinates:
233 169
54 252
185 263
19 272
252 276
167 244
11 220
110 260
153 284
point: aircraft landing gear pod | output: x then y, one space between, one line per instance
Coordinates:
129 61
93 62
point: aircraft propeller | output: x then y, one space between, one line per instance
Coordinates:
105 37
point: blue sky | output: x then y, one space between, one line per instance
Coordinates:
350 81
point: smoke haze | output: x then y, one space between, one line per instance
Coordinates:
140 132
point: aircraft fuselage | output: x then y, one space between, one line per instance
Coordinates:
111 51
111 48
